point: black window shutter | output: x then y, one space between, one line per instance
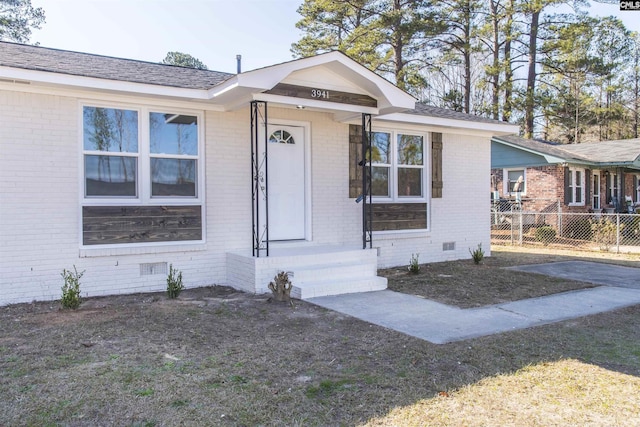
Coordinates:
436 165
355 154
567 190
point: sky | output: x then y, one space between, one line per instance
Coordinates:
214 31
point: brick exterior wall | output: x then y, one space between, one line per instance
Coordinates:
40 201
545 189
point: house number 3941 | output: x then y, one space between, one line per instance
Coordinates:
319 93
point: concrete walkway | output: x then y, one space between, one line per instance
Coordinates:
439 323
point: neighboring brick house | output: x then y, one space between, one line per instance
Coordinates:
589 177
122 168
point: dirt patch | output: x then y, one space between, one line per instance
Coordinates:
217 356
465 284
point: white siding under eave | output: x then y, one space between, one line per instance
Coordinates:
460 216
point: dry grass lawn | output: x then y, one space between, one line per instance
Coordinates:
217 356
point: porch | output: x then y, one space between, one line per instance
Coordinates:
314 270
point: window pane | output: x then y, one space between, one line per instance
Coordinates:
109 129
380 146
110 176
380 181
173 177
513 177
409 182
409 150
173 134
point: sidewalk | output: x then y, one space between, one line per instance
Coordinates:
439 323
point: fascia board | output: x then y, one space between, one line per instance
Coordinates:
312 104
57 79
496 128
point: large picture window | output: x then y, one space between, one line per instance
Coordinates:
110 142
398 165
123 162
174 154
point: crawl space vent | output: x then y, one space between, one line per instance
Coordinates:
449 246
151 268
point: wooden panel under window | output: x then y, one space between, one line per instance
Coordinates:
399 216
107 225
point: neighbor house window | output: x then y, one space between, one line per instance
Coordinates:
397 165
637 187
612 187
576 187
596 190
515 181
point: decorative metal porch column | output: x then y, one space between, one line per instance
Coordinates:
367 205
259 179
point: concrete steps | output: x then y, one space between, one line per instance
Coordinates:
344 273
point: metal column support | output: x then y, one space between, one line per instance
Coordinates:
259 179
367 205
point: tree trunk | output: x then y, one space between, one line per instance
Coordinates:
529 104
495 89
508 71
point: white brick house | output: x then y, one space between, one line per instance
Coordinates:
122 167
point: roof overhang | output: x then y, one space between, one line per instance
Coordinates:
333 71
493 128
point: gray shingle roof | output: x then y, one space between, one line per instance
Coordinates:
105 67
602 152
626 150
428 110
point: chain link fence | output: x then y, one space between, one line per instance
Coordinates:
514 225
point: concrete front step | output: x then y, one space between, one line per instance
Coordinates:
343 270
314 270
337 286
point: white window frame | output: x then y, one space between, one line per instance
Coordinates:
506 190
143 179
613 188
596 202
637 188
394 196
575 186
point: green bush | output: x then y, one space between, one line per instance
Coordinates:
71 288
579 228
605 233
414 265
174 282
478 254
545 234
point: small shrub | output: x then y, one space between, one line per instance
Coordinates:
545 234
71 288
579 228
605 233
174 282
414 265
477 255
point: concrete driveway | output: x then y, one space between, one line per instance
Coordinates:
439 323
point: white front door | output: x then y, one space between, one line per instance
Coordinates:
286 185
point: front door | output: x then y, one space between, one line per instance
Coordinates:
286 185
